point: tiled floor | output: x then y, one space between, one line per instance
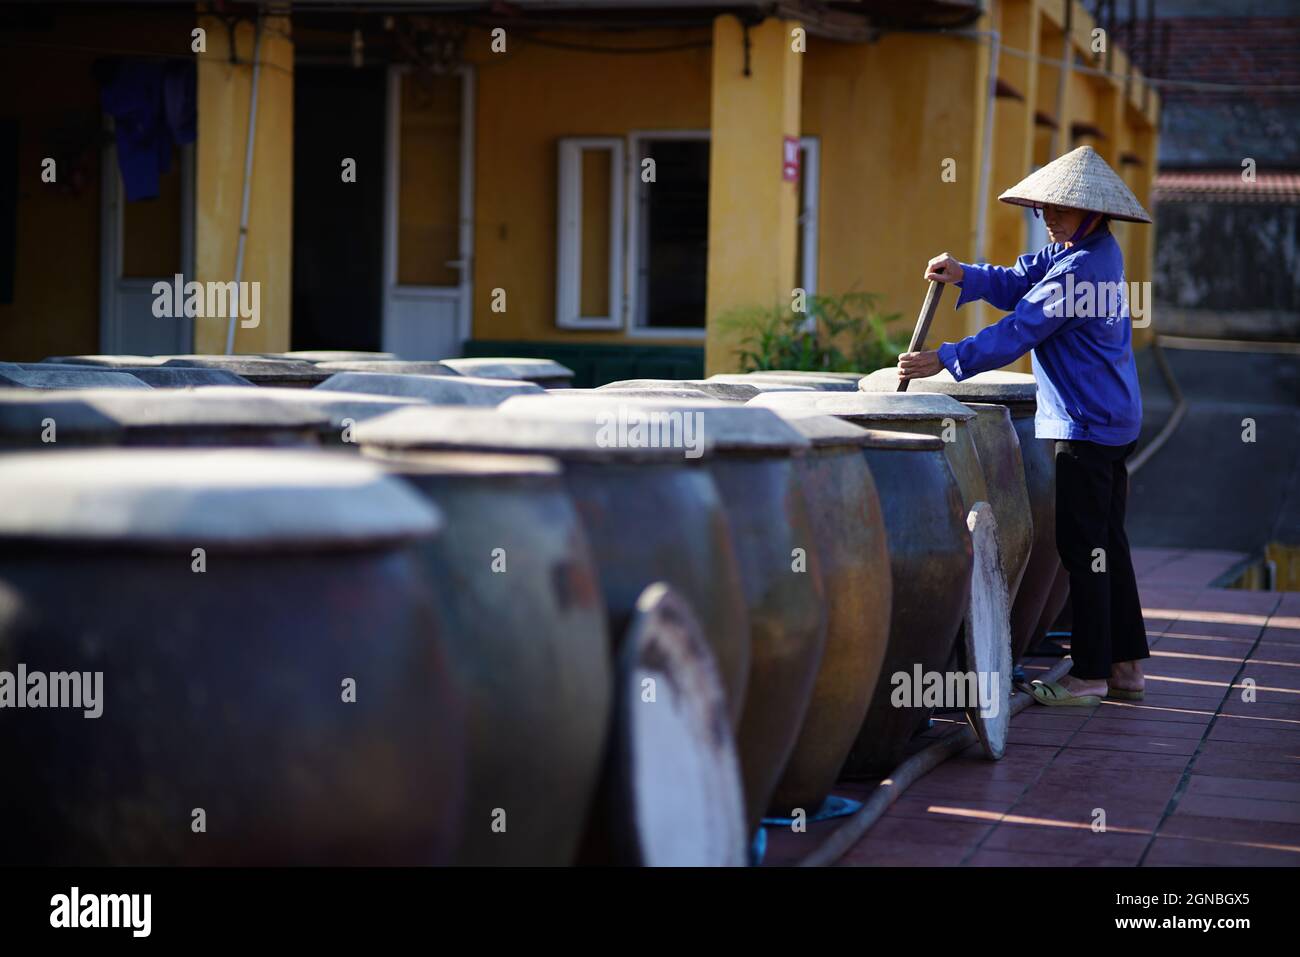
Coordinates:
1197 774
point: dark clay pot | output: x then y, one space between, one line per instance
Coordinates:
929 414
224 690
526 632
649 514
1018 392
930 566
849 531
1004 475
753 464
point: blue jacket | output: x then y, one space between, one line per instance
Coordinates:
1069 311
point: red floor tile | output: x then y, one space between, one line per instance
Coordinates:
1140 743
1110 845
1200 784
1247 809
1183 852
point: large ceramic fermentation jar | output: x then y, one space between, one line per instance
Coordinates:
154 417
849 531
753 466
1019 393
930 414
525 629
434 389
263 657
1004 476
649 513
544 372
40 375
930 560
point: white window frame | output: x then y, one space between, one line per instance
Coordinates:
568 247
636 151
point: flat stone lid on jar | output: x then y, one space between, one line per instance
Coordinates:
824 431
902 441
725 391
472 464
388 367
48 375
822 383
434 389
124 410
726 426
316 356
254 368
761 385
264 499
647 393
178 377
996 386
877 406
575 437
507 367
322 403
796 373
111 361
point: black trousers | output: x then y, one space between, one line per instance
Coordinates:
1091 496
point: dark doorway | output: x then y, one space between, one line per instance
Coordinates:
674 246
338 227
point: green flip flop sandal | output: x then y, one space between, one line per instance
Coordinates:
1123 694
1055 695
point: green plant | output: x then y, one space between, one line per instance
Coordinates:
844 333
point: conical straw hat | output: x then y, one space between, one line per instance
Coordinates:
1081 180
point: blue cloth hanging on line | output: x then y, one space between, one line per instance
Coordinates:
152 103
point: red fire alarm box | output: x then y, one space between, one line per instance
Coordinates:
790 159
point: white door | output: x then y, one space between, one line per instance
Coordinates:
428 213
132 257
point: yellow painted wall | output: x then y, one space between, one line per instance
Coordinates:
888 115
223 101
51 92
529 97
753 210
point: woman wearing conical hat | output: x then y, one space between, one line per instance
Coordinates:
1068 310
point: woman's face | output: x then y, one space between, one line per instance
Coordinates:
1062 221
